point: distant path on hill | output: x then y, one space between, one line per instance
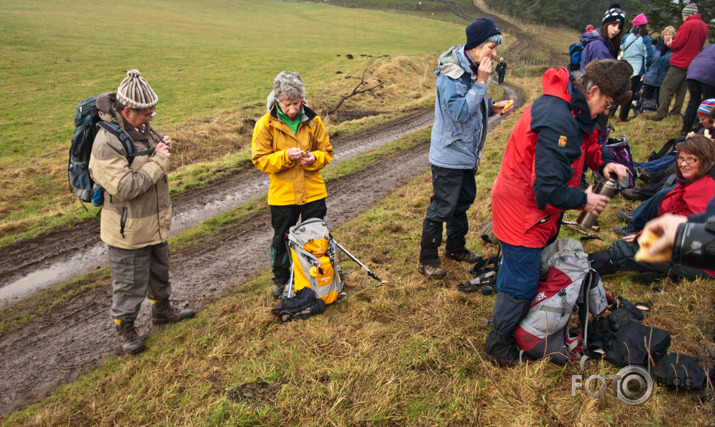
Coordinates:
77 336
474 13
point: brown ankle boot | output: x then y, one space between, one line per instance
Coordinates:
128 336
162 312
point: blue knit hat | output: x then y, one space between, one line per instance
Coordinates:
480 31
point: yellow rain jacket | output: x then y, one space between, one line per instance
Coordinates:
291 183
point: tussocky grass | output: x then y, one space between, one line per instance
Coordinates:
407 351
212 66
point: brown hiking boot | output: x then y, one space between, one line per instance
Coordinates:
465 256
632 194
128 336
431 272
162 312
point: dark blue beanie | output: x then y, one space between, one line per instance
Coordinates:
479 31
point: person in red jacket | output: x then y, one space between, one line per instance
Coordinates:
693 161
541 169
688 42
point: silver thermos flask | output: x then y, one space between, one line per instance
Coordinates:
607 188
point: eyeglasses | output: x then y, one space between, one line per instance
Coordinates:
609 103
688 160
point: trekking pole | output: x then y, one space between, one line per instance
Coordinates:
290 294
369 272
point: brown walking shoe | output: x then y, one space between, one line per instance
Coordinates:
465 256
128 336
162 312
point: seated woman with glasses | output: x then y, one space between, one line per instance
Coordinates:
696 186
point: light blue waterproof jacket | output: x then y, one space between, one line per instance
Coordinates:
460 114
638 51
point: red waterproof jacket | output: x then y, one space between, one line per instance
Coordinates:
688 199
688 41
543 163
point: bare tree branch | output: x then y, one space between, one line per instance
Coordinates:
356 90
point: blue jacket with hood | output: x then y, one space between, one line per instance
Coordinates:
460 113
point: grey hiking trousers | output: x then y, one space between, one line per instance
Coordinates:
138 274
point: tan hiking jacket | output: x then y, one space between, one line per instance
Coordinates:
137 208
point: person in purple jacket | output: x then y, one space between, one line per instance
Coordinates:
701 85
605 42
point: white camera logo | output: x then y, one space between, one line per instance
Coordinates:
632 385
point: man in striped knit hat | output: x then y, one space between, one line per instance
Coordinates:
136 214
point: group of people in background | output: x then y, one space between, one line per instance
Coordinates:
552 144
676 64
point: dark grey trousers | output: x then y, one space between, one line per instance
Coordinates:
454 191
137 274
674 84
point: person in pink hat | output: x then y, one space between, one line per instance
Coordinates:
637 49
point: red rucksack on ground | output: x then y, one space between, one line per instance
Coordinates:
567 285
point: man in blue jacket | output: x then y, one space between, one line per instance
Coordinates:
461 110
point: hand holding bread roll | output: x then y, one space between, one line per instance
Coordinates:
646 239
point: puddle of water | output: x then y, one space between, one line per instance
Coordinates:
57 273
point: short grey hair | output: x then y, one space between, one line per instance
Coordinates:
496 38
288 85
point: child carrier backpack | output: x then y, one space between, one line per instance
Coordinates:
316 278
86 121
567 284
575 56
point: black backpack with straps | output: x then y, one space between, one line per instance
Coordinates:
87 121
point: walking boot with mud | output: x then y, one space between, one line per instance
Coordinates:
431 272
128 336
162 312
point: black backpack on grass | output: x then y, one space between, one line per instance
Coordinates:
86 121
621 339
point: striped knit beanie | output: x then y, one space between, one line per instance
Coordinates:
135 92
614 14
706 108
690 9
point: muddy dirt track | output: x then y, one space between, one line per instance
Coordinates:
78 336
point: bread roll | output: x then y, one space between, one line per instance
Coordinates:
646 239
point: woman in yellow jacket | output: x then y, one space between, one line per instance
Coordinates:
291 145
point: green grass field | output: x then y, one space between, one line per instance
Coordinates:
202 59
